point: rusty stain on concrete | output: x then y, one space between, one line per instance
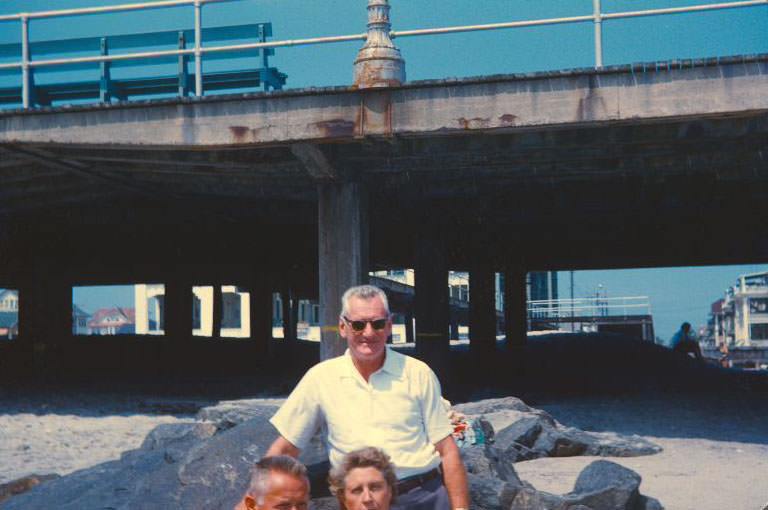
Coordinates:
335 128
507 119
239 133
474 123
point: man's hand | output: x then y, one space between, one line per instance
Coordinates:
454 476
281 446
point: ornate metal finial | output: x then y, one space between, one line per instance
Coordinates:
379 63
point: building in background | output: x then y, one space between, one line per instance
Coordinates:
79 320
234 308
9 300
9 314
743 316
112 321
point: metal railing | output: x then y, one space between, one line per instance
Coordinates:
597 17
589 307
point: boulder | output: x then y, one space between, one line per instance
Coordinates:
492 494
228 413
607 485
488 461
524 433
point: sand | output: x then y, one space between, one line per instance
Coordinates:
715 447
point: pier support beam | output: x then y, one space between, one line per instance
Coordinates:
178 310
515 327
409 337
261 319
342 253
218 309
290 305
431 303
482 313
45 313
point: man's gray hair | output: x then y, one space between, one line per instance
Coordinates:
364 292
259 484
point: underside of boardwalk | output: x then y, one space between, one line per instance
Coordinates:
308 190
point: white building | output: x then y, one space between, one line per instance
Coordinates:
9 300
235 310
745 312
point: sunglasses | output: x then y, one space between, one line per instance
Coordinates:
377 324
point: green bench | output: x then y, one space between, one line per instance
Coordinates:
105 88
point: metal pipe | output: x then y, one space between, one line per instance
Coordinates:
198 54
598 33
25 82
690 8
489 26
100 58
106 8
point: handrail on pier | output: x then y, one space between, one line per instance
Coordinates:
597 17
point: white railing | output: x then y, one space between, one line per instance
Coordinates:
26 63
589 307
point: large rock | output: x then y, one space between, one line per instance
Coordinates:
228 413
489 462
607 485
201 465
176 467
492 494
523 432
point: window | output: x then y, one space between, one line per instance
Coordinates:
9 314
235 312
758 332
758 305
230 310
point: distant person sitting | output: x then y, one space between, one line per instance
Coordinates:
685 341
277 483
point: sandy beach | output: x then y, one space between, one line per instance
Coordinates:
715 447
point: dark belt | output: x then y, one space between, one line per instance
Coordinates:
407 484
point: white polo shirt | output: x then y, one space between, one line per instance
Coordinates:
397 410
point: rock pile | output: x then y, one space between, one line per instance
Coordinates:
204 464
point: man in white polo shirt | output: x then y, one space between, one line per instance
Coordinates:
374 396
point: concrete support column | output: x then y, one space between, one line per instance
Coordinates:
290 305
431 301
342 253
45 315
482 313
409 337
515 318
218 303
178 309
261 318
454 331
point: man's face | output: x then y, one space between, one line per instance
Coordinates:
368 344
286 492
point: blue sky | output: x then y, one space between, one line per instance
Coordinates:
676 294
92 298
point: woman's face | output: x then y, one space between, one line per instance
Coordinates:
366 489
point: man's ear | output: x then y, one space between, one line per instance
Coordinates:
250 502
